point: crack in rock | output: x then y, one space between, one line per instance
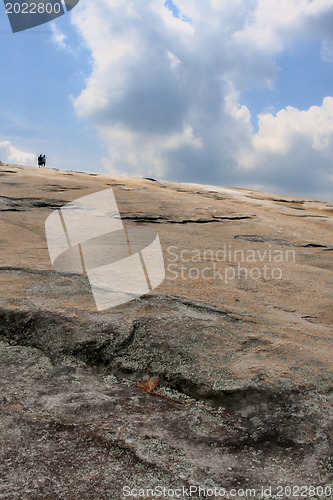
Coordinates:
165 219
314 245
27 203
262 239
278 241
306 215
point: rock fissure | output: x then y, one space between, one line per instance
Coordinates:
167 220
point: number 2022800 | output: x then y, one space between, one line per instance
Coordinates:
33 8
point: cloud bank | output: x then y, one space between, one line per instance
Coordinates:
165 90
11 154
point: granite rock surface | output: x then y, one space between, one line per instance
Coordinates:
221 377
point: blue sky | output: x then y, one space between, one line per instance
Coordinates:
303 80
218 92
39 81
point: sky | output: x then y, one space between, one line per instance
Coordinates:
216 92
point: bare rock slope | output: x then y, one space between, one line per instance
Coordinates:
221 377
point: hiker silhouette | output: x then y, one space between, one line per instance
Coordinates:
41 160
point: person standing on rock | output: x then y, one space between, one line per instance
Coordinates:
44 161
40 160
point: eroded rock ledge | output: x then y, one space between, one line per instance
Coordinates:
82 374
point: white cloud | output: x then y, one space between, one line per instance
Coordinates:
164 92
275 23
293 150
279 134
58 37
11 154
144 157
